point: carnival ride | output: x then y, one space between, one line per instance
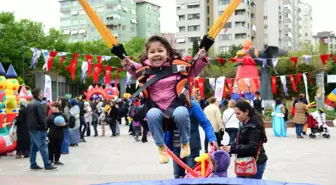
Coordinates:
201 169
107 93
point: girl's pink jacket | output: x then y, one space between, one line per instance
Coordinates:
163 91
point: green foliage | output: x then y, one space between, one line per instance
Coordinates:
195 47
16 37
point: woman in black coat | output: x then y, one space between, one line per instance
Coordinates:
251 138
23 140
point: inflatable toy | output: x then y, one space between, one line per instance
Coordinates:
109 93
25 93
247 76
330 101
9 87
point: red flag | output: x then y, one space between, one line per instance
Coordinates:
100 62
72 67
324 58
229 82
108 70
201 86
96 73
116 77
333 57
52 55
294 60
220 60
291 77
191 84
274 84
60 63
310 79
233 60
89 61
298 78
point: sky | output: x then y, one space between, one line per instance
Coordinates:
47 12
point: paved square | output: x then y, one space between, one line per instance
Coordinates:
107 159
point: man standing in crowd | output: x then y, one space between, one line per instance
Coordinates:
83 126
37 127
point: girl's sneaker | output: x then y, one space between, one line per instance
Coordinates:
164 158
185 150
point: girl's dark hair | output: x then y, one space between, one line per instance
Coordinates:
278 101
254 115
172 53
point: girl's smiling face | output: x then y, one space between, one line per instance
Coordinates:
157 54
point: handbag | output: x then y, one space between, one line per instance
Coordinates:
12 133
246 166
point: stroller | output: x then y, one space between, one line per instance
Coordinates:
315 127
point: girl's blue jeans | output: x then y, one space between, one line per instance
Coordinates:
180 117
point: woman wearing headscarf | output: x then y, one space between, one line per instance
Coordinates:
23 141
74 135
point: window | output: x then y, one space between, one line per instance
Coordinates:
194 28
240 36
192 39
112 26
265 26
224 49
223 2
225 37
148 24
286 15
65 22
195 5
181 17
306 34
123 27
228 25
265 17
239 24
266 36
75 22
113 7
181 29
132 29
83 21
193 16
240 12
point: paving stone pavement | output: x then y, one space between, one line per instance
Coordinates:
112 159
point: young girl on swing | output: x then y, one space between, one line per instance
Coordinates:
159 53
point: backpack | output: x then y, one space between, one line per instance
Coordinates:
72 121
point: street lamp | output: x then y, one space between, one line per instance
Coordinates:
23 43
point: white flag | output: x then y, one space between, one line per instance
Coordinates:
47 87
36 56
275 61
306 86
46 57
284 84
220 82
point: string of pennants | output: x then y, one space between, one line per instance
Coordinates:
89 69
198 83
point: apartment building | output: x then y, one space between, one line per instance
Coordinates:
148 18
306 18
288 28
118 15
328 38
195 17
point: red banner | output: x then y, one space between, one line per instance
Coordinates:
274 84
201 86
291 77
298 78
100 62
116 77
72 67
108 70
89 61
52 55
256 82
60 63
324 58
229 82
191 84
96 73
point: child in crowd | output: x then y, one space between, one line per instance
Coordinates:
219 163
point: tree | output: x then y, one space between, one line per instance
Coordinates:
195 47
135 47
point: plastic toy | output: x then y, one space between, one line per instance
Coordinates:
109 93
